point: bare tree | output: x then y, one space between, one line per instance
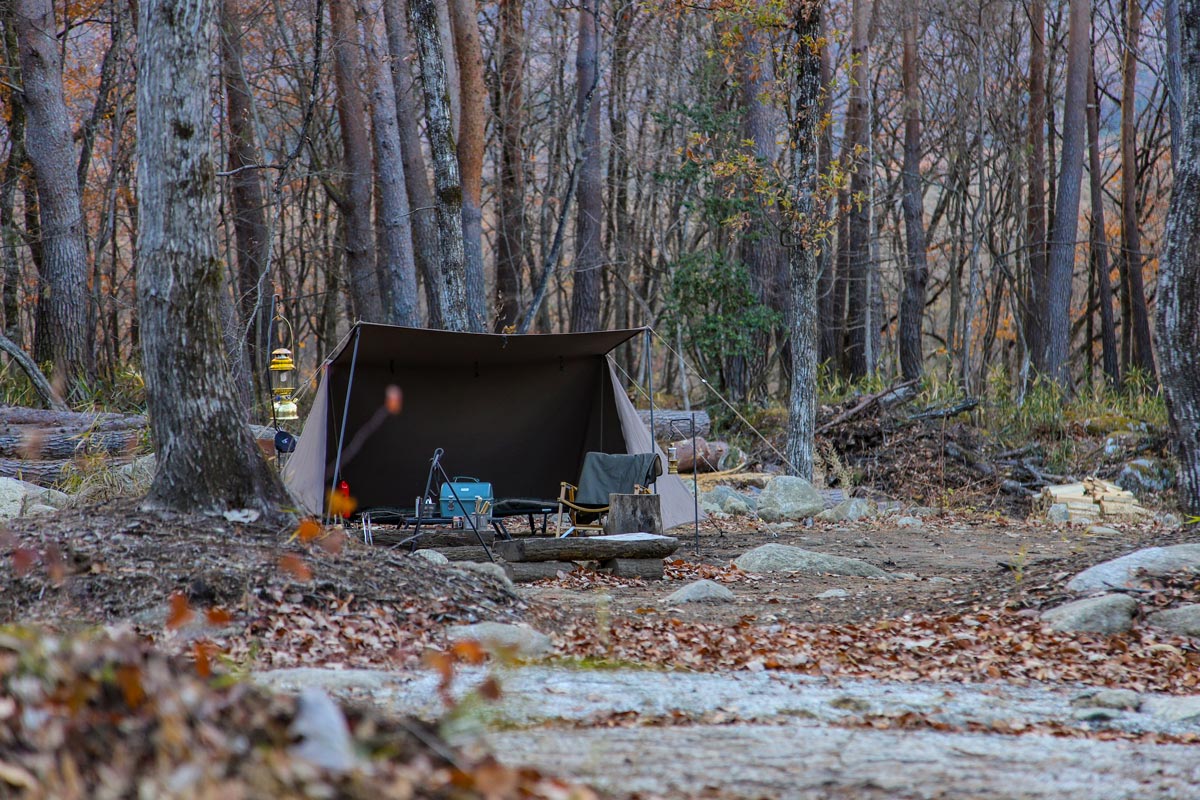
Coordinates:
1061 254
1035 207
1179 276
916 273
1099 237
589 253
858 360
62 329
422 16
510 116
207 460
470 146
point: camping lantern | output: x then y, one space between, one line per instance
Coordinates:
672 460
283 384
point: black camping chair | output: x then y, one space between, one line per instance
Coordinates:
602 475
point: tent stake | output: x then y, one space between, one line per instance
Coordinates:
337 463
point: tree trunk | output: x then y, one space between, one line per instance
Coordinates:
589 254
416 178
249 204
1131 239
206 458
1173 67
831 299
1179 276
452 277
394 243
1035 208
62 334
806 244
916 273
14 173
464 21
1099 239
858 224
510 115
354 201
1061 256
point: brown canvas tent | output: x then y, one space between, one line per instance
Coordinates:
518 411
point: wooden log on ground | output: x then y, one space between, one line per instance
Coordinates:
49 473
528 571
475 553
645 568
77 420
711 454
588 548
48 444
634 513
670 424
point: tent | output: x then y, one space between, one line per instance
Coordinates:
518 411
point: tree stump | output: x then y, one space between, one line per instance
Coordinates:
634 513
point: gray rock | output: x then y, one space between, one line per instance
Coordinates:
910 522
323 732
432 556
789 497
855 508
17 497
1144 476
922 512
1184 709
1120 571
728 499
1184 620
498 637
785 558
1119 699
738 507
1103 530
830 594
710 508
1109 613
1058 513
39 508
1168 520
1095 714
702 591
489 568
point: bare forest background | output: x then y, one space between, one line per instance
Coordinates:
528 165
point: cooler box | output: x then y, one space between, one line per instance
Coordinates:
467 490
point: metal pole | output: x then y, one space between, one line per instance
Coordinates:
337 464
696 482
650 392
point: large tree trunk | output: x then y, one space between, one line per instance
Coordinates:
1035 207
394 244
589 254
62 332
1173 68
452 277
1099 238
354 201
916 273
464 21
14 173
1061 255
249 206
1142 356
831 300
416 178
207 459
858 359
1179 276
510 115
802 261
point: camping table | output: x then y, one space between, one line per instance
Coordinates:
522 507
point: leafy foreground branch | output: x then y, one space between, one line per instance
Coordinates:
110 716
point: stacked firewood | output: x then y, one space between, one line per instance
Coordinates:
1091 499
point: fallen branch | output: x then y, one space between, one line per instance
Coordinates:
40 385
893 396
952 411
977 464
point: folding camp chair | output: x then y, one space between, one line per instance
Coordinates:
603 474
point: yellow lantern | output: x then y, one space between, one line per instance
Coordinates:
283 384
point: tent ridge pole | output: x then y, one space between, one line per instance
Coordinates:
337 463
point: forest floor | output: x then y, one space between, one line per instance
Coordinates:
937 683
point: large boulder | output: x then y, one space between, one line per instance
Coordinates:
728 500
500 637
789 497
1184 620
702 591
19 498
1109 613
785 558
1144 476
1121 571
849 510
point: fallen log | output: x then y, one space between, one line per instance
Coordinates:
893 396
645 568
76 420
670 424
46 444
475 553
50 473
588 548
982 467
710 454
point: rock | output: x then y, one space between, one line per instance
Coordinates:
702 591
728 500
38 508
17 497
1144 476
830 594
1185 709
324 736
855 508
1119 699
1184 620
738 507
490 568
1110 613
496 637
432 556
1168 520
785 558
1058 513
788 497
910 522
710 508
1090 714
922 512
1120 571
1103 530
